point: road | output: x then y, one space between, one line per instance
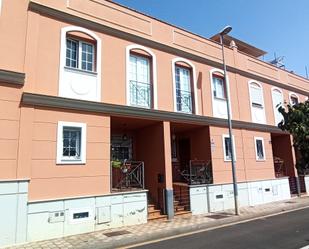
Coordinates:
284 231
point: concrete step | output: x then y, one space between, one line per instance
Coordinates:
154 213
151 207
179 208
183 213
161 217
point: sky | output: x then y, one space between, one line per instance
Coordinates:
275 26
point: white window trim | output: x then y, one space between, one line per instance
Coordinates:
263 103
153 76
97 53
60 159
223 145
219 71
273 89
195 104
256 155
292 94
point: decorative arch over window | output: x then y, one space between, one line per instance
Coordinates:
141 77
257 102
294 99
80 64
184 85
218 92
277 98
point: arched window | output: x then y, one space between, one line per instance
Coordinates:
219 93
277 98
257 102
294 99
141 77
184 82
80 64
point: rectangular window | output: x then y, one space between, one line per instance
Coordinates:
140 85
294 100
256 96
87 56
183 89
72 53
259 149
80 55
218 88
71 143
227 148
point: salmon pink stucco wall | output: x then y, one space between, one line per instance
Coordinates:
50 180
247 167
9 130
43 57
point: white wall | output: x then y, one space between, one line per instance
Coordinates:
110 211
220 197
13 208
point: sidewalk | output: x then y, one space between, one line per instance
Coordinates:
117 237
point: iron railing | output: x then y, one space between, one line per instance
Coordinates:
140 94
199 172
130 175
184 101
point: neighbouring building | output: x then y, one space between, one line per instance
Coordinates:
110 117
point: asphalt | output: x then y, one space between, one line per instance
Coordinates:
284 231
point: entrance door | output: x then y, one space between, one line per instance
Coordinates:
184 153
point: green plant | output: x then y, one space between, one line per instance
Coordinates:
296 122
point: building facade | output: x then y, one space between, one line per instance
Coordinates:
109 116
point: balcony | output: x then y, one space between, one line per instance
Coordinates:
140 94
184 101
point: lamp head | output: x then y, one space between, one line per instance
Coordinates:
225 30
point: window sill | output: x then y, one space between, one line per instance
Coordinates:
139 106
220 99
77 70
260 160
190 113
70 162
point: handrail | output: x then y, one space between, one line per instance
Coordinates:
132 175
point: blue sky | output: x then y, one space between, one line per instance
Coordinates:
275 26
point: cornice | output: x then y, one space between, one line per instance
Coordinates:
39 100
10 77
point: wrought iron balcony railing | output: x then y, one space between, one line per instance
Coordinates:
184 101
140 94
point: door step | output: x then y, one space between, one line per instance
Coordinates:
154 213
183 213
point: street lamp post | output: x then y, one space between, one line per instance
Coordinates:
225 31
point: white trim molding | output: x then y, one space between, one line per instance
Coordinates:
252 82
220 72
60 159
174 61
154 73
263 144
223 145
292 94
94 92
273 89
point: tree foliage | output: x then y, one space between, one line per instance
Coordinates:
296 122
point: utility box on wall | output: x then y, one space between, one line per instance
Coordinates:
103 214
